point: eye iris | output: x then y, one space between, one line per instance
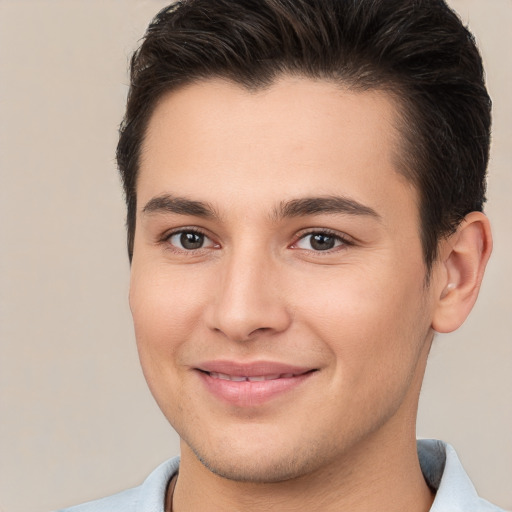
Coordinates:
191 240
321 242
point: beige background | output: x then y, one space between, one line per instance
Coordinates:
76 420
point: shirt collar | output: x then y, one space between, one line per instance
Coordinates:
444 473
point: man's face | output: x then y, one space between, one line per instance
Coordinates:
278 291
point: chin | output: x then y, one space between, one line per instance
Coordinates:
263 464
253 471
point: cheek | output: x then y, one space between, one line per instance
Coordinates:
368 320
166 308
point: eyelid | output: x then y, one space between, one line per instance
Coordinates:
166 237
341 237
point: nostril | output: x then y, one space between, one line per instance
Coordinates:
259 330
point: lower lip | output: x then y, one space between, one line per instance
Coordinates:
249 394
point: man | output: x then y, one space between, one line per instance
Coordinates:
305 183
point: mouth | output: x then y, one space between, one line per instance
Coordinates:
249 385
253 378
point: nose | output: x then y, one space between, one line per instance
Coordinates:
249 300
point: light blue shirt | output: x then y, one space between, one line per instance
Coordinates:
439 462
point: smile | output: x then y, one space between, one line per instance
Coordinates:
251 385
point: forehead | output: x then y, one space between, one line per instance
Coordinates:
294 135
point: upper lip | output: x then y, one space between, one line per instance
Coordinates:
253 369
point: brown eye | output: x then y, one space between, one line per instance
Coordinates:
319 241
188 240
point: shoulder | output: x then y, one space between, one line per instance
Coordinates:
444 473
126 501
148 496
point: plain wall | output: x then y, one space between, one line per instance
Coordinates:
76 419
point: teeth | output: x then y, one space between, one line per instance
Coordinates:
224 376
256 378
264 377
236 378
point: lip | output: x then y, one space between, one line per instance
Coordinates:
251 384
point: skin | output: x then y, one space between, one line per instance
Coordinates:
359 314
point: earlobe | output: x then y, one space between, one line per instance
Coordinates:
462 262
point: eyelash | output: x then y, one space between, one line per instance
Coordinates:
343 240
338 237
166 239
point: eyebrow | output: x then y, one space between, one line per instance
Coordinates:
179 205
301 207
328 204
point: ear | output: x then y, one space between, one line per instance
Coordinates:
462 260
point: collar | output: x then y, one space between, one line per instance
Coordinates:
444 473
